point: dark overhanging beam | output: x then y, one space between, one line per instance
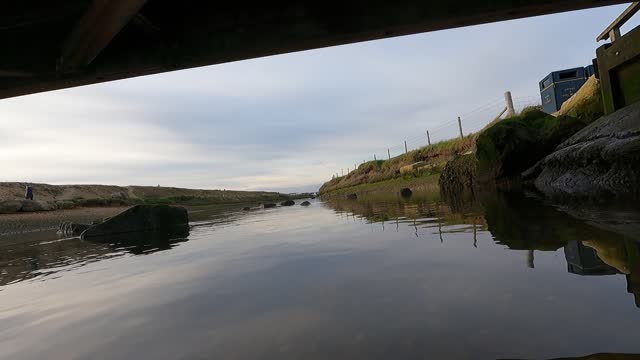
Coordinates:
98 26
166 36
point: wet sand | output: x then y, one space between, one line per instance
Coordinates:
12 224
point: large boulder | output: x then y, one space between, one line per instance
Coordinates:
601 159
157 218
305 203
513 145
288 203
10 206
269 205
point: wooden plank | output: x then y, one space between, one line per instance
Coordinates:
614 28
97 27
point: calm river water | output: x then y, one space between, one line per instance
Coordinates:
380 277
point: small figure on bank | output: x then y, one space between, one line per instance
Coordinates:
28 192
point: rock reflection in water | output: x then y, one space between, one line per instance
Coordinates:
44 259
515 220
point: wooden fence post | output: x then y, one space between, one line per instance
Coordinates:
388 154
460 127
509 100
428 138
405 146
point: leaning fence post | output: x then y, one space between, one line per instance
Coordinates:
374 157
460 127
509 100
405 146
428 138
388 154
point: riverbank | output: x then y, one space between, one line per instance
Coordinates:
59 197
424 182
505 149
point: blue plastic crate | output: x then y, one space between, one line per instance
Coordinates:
559 86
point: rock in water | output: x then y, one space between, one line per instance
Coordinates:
351 196
157 218
288 203
246 208
269 205
405 192
305 203
601 159
10 206
119 195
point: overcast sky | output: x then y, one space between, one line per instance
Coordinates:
288 122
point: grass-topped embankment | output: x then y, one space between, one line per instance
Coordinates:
511 146
425 182
195 197
421 162
503 149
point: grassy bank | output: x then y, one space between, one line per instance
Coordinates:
426 182
503 148
417 164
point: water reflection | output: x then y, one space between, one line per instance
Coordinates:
377 278
515 220
44 259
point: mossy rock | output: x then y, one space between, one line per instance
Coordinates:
513 145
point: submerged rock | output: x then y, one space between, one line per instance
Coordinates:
159 218
305 203
351 196
601 159
288 203
406 192
246 208
269 205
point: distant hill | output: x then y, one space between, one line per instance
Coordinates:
97 195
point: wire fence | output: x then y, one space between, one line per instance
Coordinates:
469 122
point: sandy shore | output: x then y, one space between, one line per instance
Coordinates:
11 224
